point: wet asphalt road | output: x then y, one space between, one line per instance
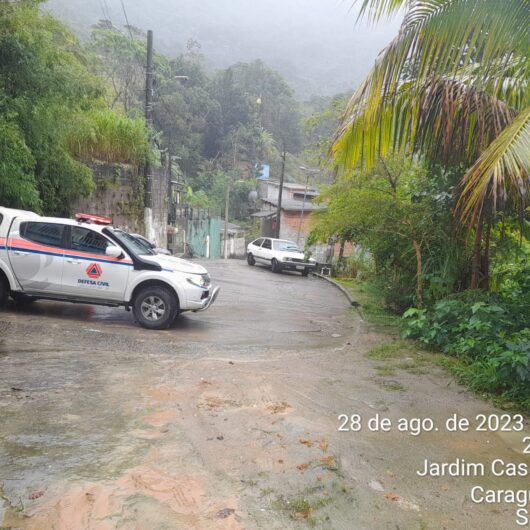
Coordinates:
229 419
254 307
72 376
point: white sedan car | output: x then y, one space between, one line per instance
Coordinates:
279 254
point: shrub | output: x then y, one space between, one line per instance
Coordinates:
359 265
486 331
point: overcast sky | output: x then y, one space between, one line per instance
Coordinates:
316 44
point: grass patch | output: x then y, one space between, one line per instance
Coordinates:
385 370
393 350
372 306
415 365
266 491
305 505
393 386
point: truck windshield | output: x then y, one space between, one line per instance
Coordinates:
132 243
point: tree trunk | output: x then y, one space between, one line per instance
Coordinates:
477 248
485 282
419 274
341 250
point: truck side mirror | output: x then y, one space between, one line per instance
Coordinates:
112 251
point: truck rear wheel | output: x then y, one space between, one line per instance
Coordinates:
155 307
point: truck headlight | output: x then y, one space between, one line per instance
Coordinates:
199 280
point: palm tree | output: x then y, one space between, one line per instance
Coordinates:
452 86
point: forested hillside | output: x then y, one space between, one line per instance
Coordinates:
314 44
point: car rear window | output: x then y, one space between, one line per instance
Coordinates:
49 234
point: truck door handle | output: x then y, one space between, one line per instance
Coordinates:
19 253
73 261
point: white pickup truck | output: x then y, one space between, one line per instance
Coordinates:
89 261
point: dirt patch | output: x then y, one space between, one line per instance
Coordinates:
159 419
217 403
279 408
182 500
164 393
147 435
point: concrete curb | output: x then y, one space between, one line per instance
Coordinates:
345 291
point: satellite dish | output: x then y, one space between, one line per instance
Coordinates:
253 196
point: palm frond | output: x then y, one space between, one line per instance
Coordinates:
479 43
375 10
447 120
501 174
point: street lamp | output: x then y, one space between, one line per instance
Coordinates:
309 171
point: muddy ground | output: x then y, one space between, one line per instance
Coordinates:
229 420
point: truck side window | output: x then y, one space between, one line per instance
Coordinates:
84 240
49 234
1 219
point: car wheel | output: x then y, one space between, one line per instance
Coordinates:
155 307
22 299
275 266
305 272
250 259
4 292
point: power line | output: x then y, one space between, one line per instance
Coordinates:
105 16
126 18
133 47
109 18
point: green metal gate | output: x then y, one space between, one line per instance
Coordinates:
196 232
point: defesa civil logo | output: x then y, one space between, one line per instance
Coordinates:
94 271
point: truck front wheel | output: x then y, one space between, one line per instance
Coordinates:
155 307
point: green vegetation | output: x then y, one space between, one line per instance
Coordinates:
452 87
52 114
64 105
489 332
305 508
432 162
215 127
399 214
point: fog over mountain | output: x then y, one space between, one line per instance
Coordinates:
315 44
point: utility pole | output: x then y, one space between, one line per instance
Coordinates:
227 203
309 172
280 194
148 193
303 210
